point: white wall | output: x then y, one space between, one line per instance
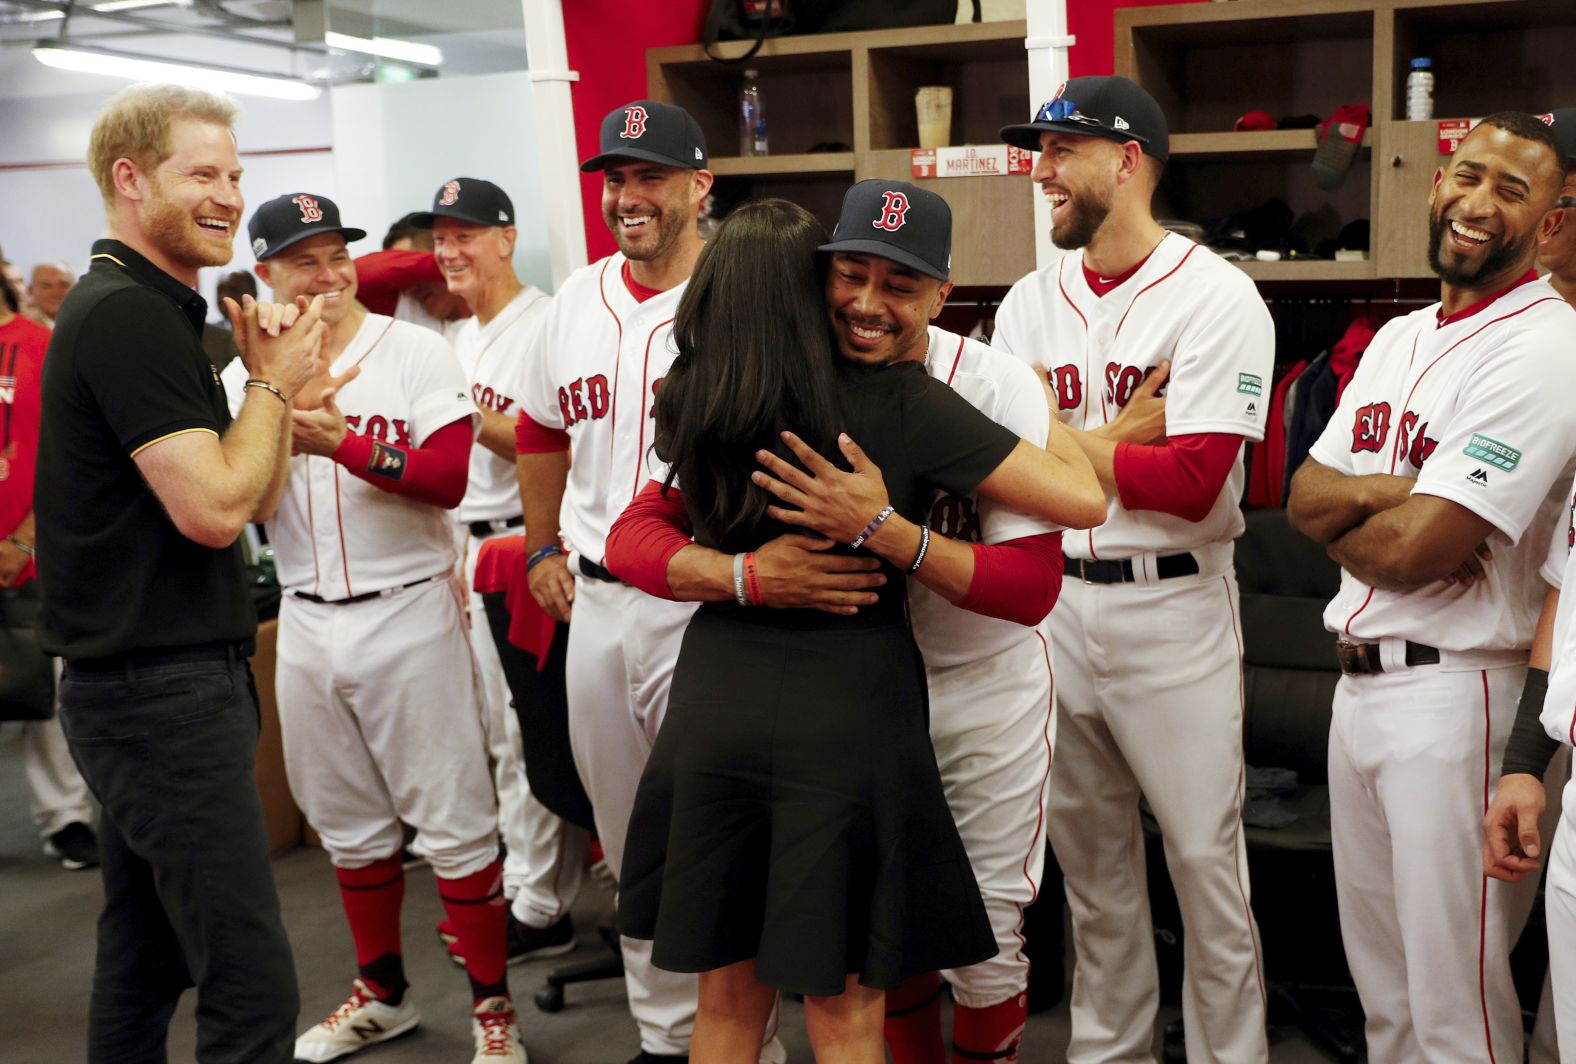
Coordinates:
396 144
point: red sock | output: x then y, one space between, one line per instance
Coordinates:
372 896
479 913
991 1033
913 1021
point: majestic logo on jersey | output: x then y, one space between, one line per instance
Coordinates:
634 123
956 518
1414 441
451 194
1067 385
310 211
1500 455
1478 477
1370 426
384 429
586 399
892 212
1250 384
484 397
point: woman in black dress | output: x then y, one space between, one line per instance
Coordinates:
790 831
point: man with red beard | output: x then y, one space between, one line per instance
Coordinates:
1435 486
144 484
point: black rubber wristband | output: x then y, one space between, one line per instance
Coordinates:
1529 747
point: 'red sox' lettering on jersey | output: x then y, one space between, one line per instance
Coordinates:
588 397
1370 426
394 430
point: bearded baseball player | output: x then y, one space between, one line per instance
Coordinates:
375 678
983 582
1146 634
1434 486
472 222
597 363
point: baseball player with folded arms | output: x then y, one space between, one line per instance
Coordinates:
375 679
1434 486
1146 634
472 223
599 358
986 579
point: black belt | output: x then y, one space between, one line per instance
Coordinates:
480 529
155 656
1120 571
591 569
1362 659
363 597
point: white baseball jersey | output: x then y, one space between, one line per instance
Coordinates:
1559 706
594 370
1471 408
1006 391
334 534
1184 304
493 358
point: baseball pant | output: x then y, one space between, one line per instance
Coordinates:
623 645
993 726
1543 1042
1559 900
189 896
1414 754
536 867
57 794
1149 702
377 709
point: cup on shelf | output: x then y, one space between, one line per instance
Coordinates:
933 108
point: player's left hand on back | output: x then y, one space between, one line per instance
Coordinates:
1142 420
318 431
1511 844
820 496
1473 569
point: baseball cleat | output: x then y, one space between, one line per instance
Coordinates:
361 1021
497 1032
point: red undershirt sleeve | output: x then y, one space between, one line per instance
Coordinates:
532 437
382 275
651 530
1018 580
435 473
1181 477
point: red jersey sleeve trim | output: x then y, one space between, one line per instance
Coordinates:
651 530
1181 477
532 437
1018 580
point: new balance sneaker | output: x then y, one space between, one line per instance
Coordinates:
75 845
497 1033
530 943
361 1021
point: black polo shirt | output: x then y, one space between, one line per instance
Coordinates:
126 369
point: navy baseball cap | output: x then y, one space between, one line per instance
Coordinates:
468 199
1108 106
652 132
1563 123
291 218
895 220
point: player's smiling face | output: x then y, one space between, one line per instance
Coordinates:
1486 207
1557 250
192 200
648 206
317 266
471 256
1078 177
880 310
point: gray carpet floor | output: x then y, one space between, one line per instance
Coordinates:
46 959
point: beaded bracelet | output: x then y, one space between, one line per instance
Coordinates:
870 529
541 554
752 580
258 382
19 545
740 595
924 545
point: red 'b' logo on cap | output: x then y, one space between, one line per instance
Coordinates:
451 194
892 212
634 123
310 211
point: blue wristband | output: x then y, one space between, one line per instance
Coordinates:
541 554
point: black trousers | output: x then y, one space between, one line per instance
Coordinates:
541 704
189 897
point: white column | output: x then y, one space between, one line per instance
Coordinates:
555 123
1047 44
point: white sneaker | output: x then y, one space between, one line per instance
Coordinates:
361 1021
497 1033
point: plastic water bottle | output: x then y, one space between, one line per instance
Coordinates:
752 116
1420 90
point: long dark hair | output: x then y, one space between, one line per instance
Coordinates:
755 358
